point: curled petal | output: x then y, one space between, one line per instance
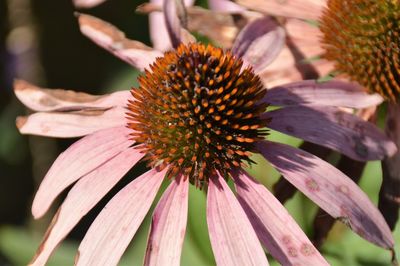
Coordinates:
332 190
260 42
158 29
232 236
59 100
175 19
331 93
72 124
85 194
87 3
224 6
303 9
333 128
168 225
110 234
274 226
78 160
113 40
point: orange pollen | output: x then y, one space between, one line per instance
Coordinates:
180 117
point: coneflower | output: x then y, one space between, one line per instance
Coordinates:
195 118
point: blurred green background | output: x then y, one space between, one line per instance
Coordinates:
41 43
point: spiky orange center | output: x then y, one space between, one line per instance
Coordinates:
197 111
363 38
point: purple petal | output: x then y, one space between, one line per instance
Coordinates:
332 128
175 17
112 39
274 226
168 225
45 100
260 42
78 160
232 236
69 125
331 93
110 234
84 195
332 190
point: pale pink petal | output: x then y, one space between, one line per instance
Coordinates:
224 6
274 226
175 18
168 225
260 42
331 93
332 128
72 124
305 35
78 160
158 30
84 195
332 190
115 226
233 239
45 100
112 39
303 9
87 3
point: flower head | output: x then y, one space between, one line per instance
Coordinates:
196 115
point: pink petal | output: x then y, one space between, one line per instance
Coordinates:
175 16
332 190
224 6
45 100
305 35
84 195
87 3
232 236
260 42
72 124
303 9
115 226
332 128
331 93
78 160
112 39
274 226
158 30
168 225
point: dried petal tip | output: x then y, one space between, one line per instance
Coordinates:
362 37
197 111
20 85
20 121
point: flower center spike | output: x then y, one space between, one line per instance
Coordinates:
197 111
362 37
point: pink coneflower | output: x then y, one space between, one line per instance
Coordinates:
356 40
195 119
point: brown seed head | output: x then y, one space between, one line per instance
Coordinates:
185 112
363 38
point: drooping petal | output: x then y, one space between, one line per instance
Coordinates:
46 100
260 42
303 9
78 160
113 40
224 6
71 124
331 93
232 236
110 234
168 225
274 226
158 30
175 19
85 194
330 189
332 128
87 3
